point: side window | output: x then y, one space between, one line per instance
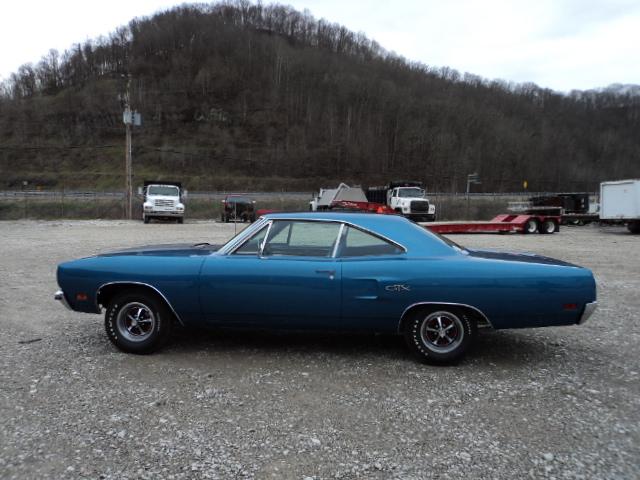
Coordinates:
357 243
252 246
303 239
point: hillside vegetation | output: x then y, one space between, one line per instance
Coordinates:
243 96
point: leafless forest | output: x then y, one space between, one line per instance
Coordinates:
263 97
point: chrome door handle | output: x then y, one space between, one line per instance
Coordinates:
331 273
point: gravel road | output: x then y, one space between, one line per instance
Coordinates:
548 403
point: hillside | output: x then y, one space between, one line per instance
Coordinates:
246 97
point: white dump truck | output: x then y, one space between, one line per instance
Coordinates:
407 198
620 201
163 201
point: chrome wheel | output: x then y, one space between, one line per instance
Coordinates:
135 321
549 226
531 226
442 332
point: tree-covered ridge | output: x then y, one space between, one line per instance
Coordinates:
255 92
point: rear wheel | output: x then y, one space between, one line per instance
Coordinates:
531 226
440 335
634 227
548 226
137 322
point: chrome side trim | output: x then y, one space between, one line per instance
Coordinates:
482 315
59 296
589 308
99 307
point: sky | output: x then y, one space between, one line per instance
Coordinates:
557 44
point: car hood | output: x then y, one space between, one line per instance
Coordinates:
522 257
167 250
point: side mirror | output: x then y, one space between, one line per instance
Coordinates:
185 193
140 191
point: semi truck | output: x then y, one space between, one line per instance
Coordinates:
620 201
163 201
406 198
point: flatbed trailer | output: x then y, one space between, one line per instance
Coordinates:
505 223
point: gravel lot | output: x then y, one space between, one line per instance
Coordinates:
549 403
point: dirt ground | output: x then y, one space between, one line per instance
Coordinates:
547 403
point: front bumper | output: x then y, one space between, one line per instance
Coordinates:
165 213
589 308
59 296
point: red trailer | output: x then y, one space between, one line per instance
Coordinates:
525 223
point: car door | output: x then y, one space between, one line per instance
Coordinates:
375 281
286 275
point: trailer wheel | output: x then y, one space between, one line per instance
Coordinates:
548 226
531 226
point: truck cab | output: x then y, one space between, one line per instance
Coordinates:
411 202
163 201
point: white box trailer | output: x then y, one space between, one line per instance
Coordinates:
620 200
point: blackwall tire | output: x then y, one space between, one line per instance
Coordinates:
145 219
138 322
440 335
634 227
548 227
531 226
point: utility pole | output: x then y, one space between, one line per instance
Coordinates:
130 119
127 117
472 178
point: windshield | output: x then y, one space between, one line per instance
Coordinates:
166 190
410 192
242 235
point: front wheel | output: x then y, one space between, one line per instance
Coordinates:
137 322
440 336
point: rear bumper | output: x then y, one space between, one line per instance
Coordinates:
589 308
59 296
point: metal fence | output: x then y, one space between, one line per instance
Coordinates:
58 204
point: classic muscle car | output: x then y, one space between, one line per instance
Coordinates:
335 271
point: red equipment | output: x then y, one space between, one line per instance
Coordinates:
501 224
370 207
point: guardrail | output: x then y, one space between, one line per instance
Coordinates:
111 194
103 194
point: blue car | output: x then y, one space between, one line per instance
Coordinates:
333 271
